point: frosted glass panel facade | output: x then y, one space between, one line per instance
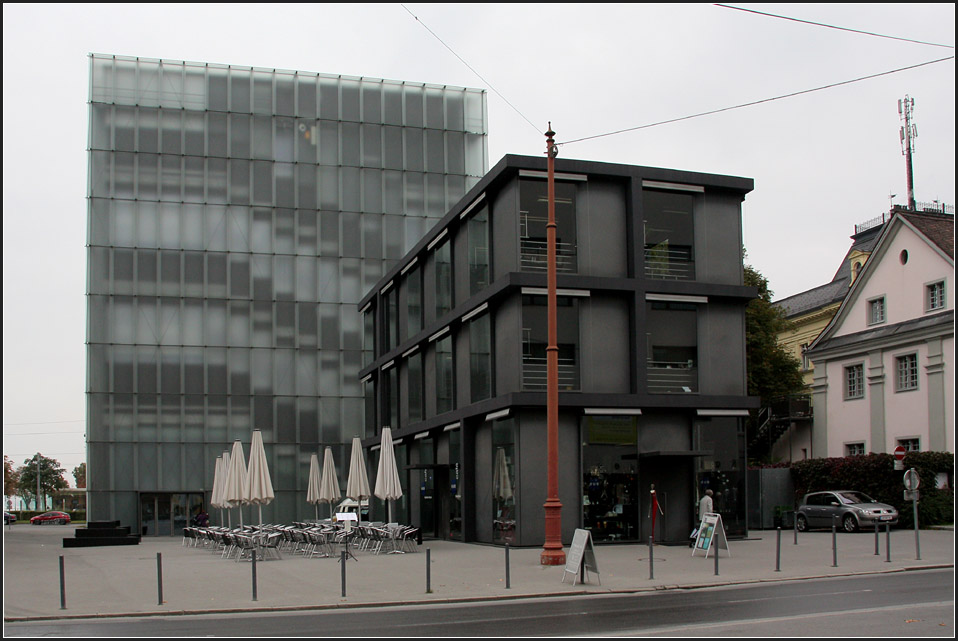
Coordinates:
236 217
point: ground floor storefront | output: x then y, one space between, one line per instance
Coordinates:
625 477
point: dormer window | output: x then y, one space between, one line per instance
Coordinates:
876 311
935 296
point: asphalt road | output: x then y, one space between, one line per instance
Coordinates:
916 603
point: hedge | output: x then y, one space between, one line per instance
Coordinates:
875 475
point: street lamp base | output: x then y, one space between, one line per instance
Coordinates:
552 552
552 557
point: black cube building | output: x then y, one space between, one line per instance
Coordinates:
651 338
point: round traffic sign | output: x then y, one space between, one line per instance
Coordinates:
911 479
900 453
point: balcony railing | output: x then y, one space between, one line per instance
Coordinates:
792 408
533 256
666 377
535 374
668 264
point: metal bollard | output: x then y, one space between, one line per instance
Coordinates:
887 543
716 558
508 576
914 505
834 542
342 565
63 587
778 550
651 568
159 578
795 527
253 554
428 576
876 539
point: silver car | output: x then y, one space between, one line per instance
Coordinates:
853 509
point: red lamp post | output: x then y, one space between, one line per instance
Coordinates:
552 552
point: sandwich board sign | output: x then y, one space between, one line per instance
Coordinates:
581 557
711 534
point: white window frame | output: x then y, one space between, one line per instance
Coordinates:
906 442
856 445
911 379
877 304
930 289
860 387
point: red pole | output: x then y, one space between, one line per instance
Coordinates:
552 552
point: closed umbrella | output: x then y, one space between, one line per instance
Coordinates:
312 485
259 487
235 491
222 494
388 487
217 486
357 484
329 486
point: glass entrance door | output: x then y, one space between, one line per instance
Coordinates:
165 514
427 502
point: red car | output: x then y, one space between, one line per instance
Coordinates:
57 518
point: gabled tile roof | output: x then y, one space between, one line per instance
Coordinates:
834 291
939 228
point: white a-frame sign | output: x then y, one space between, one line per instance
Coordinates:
581 557
711 534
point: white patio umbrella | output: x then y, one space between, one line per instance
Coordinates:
388 487
217 486
312 485
501 484
222 494
357 484
235 491
259 487
329 486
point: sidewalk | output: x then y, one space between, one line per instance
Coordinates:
123 581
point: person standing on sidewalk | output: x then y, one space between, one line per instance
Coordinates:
705 505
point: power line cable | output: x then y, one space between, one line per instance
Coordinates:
829 26
756 102
487 83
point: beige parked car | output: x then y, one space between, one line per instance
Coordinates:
854 510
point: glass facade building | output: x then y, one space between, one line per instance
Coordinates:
236 216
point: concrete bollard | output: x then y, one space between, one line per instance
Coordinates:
159 578
887 543
253 556
778 550
428 575
508 574
63 587
834 542
651 568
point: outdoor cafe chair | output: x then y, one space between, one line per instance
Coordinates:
270 546
408 538
320 544
245 547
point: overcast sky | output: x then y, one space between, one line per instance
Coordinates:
822 161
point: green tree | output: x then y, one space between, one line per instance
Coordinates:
51 478
772 371
11 479
79 475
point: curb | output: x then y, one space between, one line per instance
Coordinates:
449 600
